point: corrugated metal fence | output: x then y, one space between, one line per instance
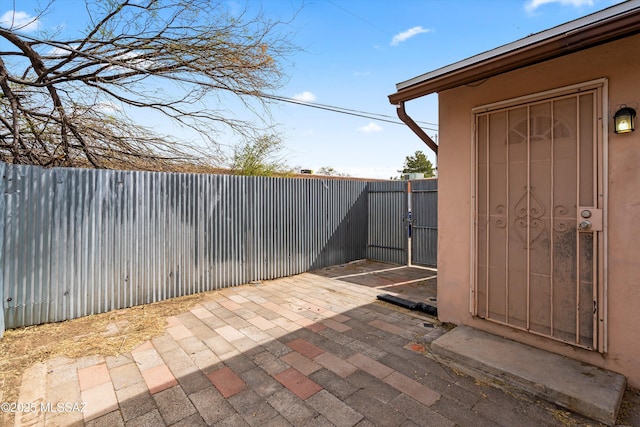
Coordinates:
76 242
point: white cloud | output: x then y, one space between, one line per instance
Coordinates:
371 127
305 96
405 35
58 51
132 58
532 5
108 107
62 50
17 20
361 73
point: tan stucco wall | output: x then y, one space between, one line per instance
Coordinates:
619 62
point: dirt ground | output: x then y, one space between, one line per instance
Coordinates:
106 334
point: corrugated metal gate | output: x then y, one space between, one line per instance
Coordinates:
390 207
388 237
424 222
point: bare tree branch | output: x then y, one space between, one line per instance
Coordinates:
181 58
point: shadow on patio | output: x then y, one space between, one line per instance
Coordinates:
312 349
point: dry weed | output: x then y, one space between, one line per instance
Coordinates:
106 334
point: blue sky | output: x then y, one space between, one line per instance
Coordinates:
353 52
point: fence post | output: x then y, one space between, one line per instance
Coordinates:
3 167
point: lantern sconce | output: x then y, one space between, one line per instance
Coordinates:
624 120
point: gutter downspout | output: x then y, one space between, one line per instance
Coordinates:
402 115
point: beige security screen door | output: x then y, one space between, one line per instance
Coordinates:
538 215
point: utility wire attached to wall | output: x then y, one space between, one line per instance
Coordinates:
348 111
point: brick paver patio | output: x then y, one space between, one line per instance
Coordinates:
306 350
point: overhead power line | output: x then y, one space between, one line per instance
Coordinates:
351 112
326 107
341 110
358 17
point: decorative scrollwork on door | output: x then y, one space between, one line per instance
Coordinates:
561 223
501 219
528 213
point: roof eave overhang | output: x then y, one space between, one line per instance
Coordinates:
573 41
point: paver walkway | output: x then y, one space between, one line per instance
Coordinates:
303 351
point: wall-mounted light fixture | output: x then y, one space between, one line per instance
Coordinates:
624 120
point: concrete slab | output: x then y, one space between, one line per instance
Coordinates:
413 283
585 389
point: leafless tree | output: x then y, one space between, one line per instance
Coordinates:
66 101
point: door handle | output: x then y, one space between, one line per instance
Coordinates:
589 218
584 225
